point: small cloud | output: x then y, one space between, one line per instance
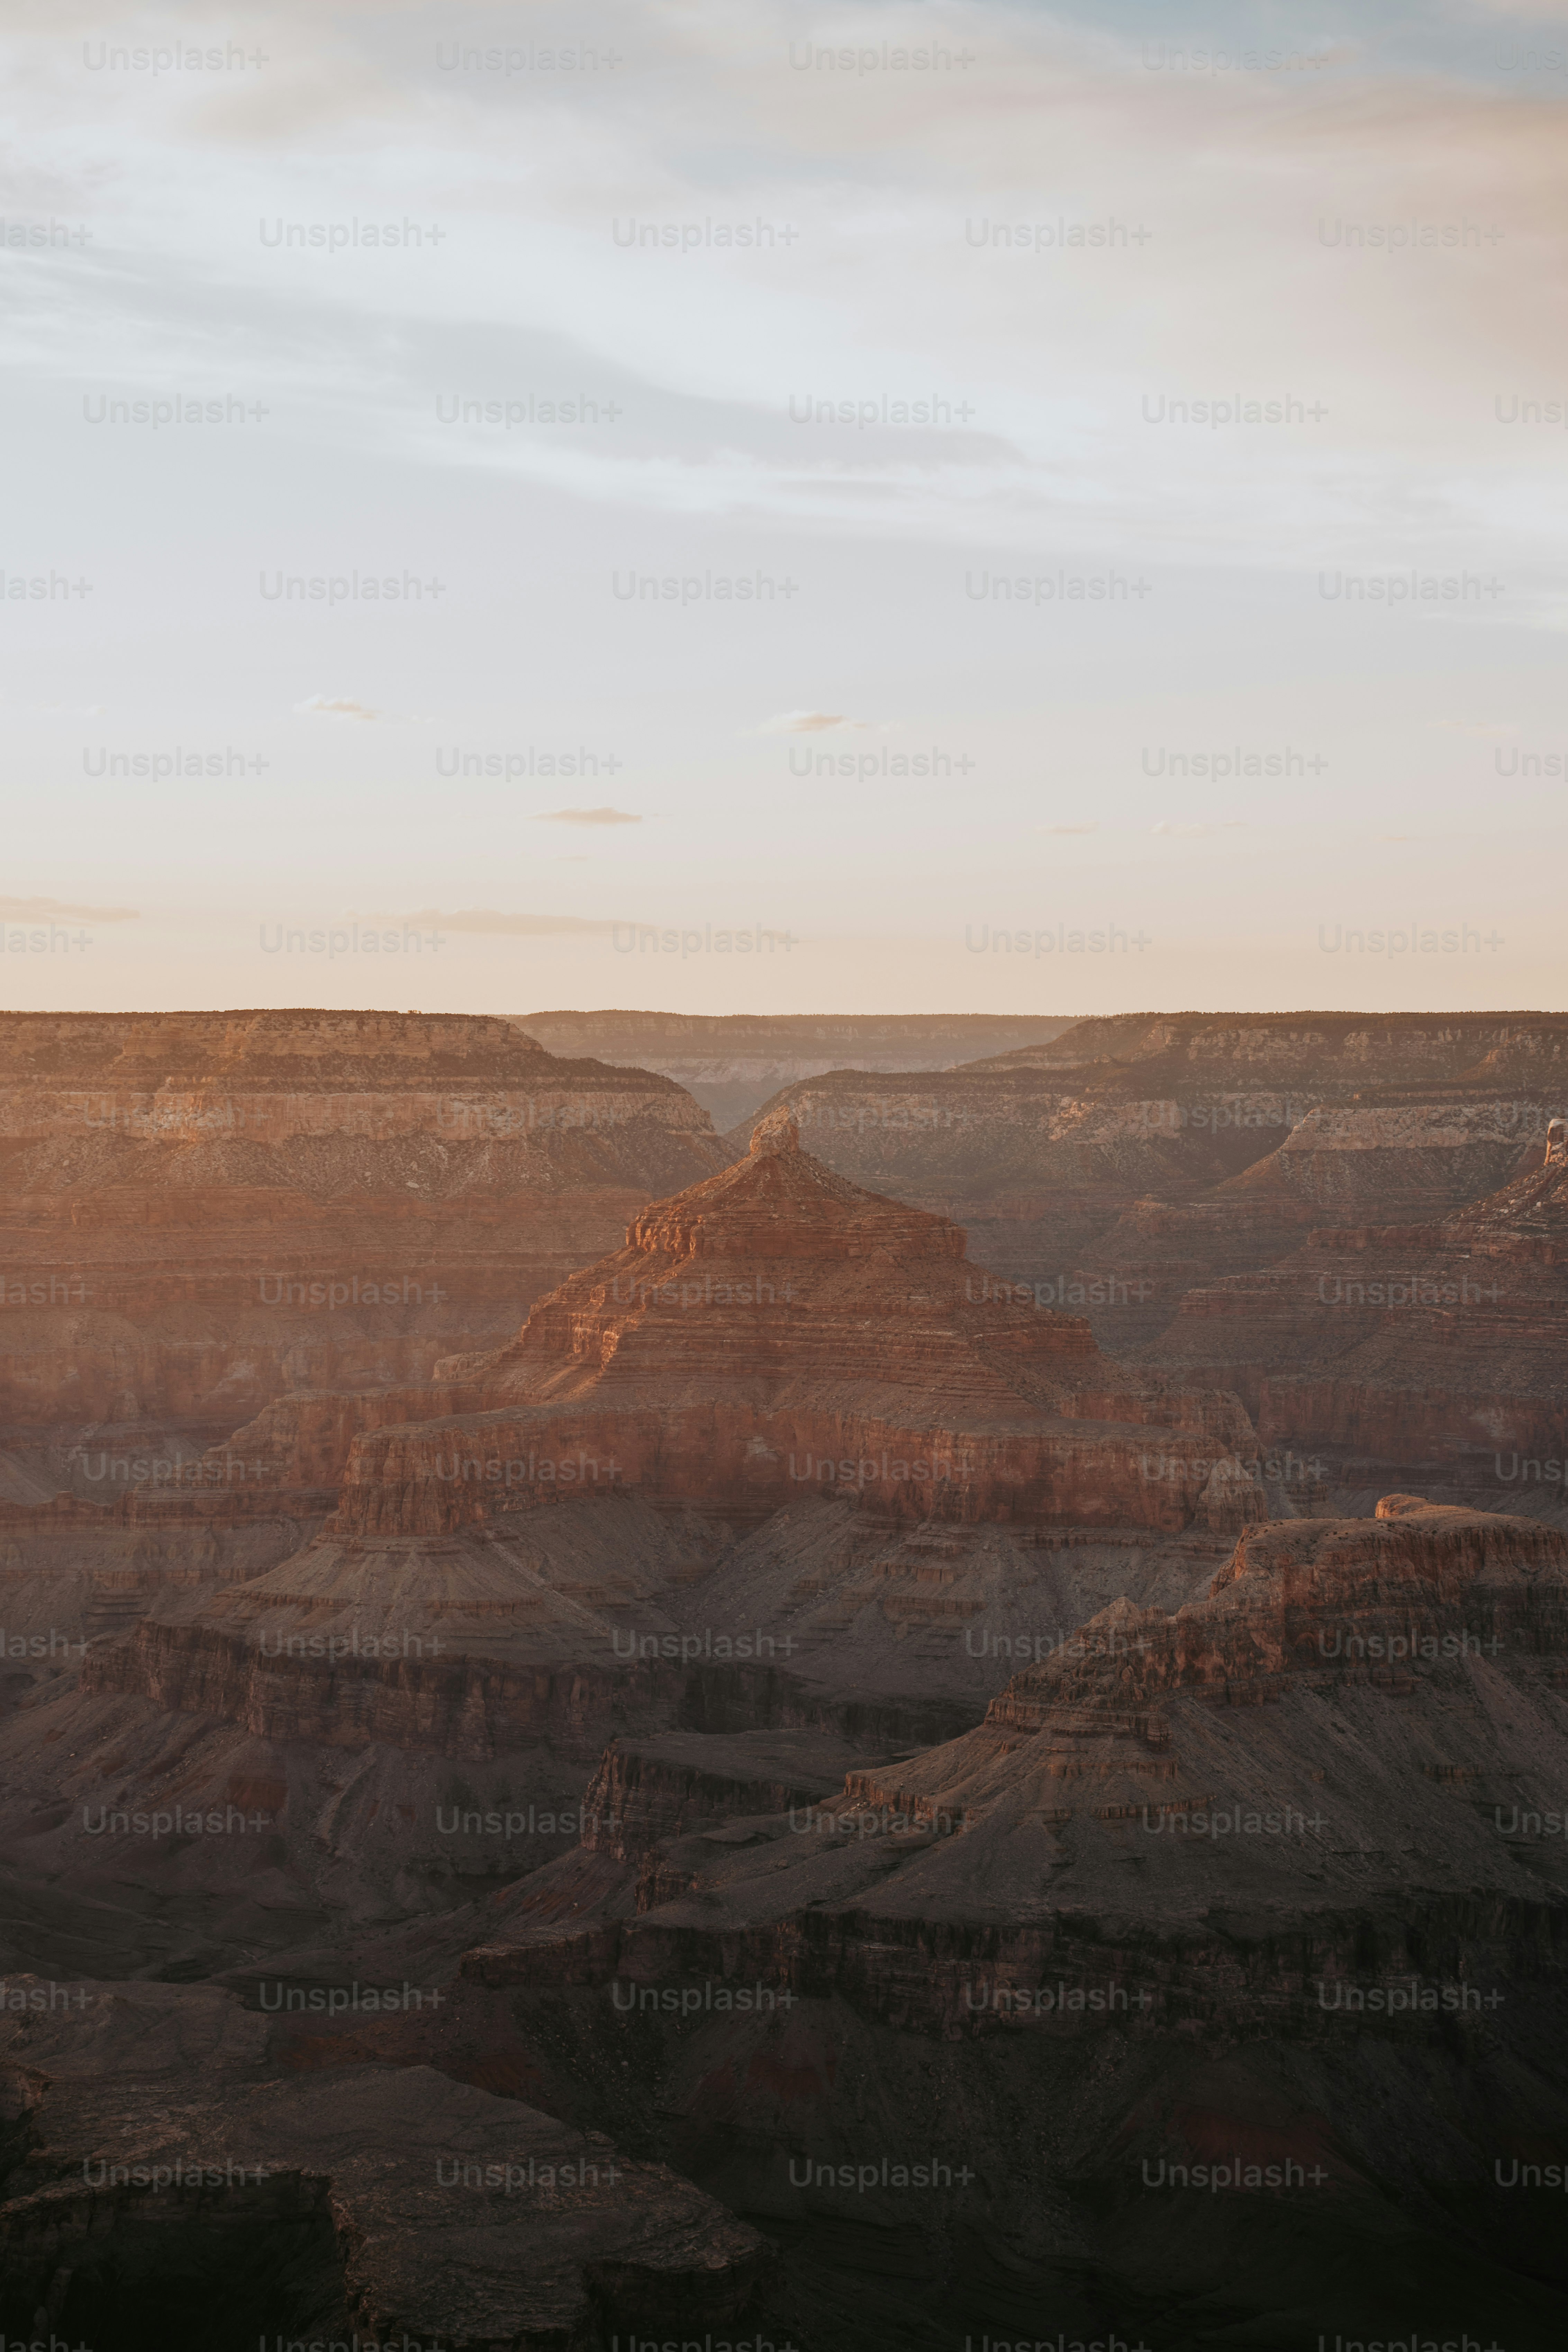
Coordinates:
1066 828
808 722
40 911
491 922
1480 726
1230 824
342 706
585 816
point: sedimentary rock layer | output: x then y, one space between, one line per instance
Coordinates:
776 1327
204 1210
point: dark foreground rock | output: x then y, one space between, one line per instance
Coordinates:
150 2173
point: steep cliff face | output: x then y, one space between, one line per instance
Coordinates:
1434 1346
734 1063
776 1326
204 1211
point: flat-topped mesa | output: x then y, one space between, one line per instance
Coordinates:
188 1076
775 1332
1421 1587
294 1045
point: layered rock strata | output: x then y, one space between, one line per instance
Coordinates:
777 1329
1364 1724
204 1210
1436 1347
1265 1895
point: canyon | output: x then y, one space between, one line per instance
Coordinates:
854 1793
734 1063
1150 1172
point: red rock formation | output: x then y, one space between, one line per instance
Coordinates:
776 1327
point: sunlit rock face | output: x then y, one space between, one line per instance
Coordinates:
204 1211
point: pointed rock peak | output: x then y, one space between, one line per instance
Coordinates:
777 1132
781 1201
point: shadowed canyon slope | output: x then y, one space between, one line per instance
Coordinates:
1434 1345
1126 1161
1260 1896
706 1483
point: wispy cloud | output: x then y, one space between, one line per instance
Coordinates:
587 816
41 910
343 706
808 722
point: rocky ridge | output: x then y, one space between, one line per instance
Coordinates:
162 2163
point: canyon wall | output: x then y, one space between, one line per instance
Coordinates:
204 1211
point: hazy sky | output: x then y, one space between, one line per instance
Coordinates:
1009 652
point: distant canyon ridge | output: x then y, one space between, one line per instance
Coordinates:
734 1063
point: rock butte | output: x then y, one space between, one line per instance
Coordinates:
773 1329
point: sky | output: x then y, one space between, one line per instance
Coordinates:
732 507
